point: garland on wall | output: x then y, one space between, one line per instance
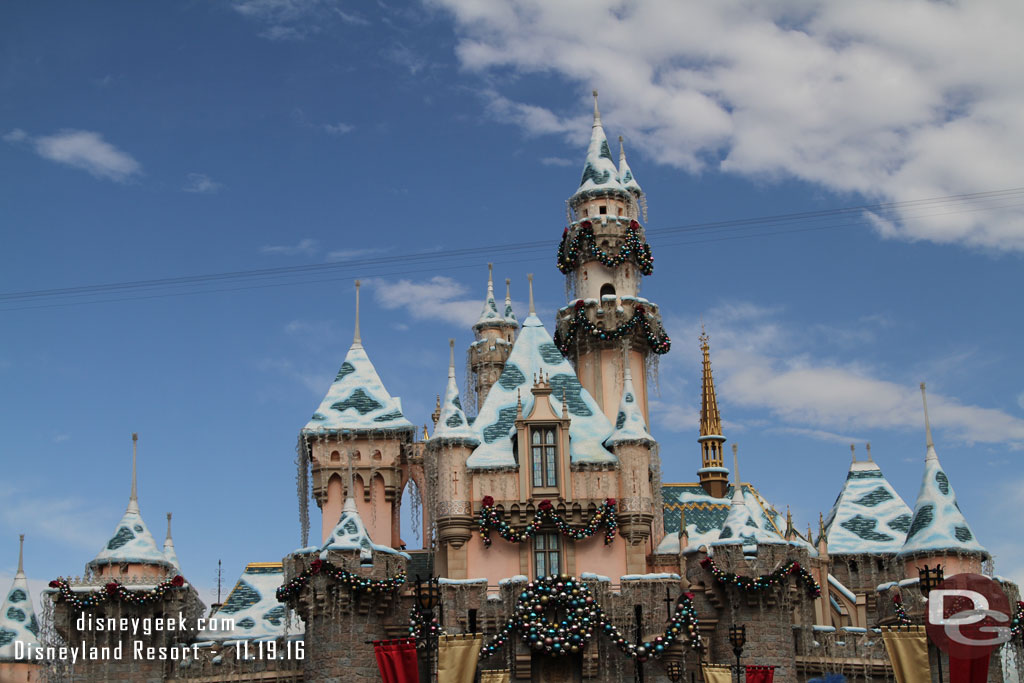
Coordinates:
490 519
902 618
751 584
583 241
1017 623
659 342
113 591
578 617
354 582
421 630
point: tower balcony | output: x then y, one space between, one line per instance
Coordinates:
587 324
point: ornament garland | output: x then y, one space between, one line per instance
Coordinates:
421 630
354 582
752 584
578 618
583 241
659 342
114 590
1017 623
490 518
902 618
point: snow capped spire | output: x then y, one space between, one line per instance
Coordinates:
169 552
629 421
626 173
533 310
21 556
510 316
356 340
599 172
133 498
489 316
929 444
452 424
17 617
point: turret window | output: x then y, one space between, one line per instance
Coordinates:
544 454
547 556
602 210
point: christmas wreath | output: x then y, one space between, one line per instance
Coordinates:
583 242
354 582
752 584
112 591
490 519
659 342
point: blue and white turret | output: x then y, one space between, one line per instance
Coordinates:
18 622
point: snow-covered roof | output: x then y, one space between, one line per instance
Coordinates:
868 515
350 534
489 316
169 551
132 543
357 401
741 526
938 525
630 426
253 606
626 173
599 172
510 315
17 617
532 353
452 424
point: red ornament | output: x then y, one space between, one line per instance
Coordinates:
610 501
565 231
111 588
55 584
545 504
316 565
579 304
640 309
634 225
897 599
487 501
706 562
796 566
585 224
689 596
178 581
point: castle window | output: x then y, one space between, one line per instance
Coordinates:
335 456
547 556
544 456
603 210
584 213
607 289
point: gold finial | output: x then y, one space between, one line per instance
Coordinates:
356 340
529 277
853 452
927 425
425 434
868 447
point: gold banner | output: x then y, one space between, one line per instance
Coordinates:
908 652
457 656
496 676
717 673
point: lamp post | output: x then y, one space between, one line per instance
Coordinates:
674 670
738 638
428 596
930 579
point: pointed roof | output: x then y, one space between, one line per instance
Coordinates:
599 172
350 533
489 316
254 607
452 424
626 174
868 515
510 315
938 524
169 552
534 352
741 526
710 418
630 426
357 400
132 543
17 616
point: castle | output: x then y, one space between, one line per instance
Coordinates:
552 471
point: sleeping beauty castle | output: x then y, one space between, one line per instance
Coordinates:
553 550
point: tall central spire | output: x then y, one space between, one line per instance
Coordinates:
710 418
714 476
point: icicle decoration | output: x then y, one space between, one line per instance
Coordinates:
469 399
416 501
302 488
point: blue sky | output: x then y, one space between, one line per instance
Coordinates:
149 142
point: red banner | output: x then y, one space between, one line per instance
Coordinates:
760 674
396 660
968 670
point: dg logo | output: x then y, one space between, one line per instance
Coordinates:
968 616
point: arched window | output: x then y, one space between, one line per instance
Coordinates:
607 289
335 456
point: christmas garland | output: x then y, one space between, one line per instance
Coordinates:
753 584
1017 623
354 582
902 618
583 241
569 634
659 342
114 590
420 630
490 518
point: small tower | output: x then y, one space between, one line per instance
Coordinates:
19 630
495 332
603 255
714 476
169 551
445 462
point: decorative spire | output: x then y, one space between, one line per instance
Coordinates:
597 113
529 277
853 452
451 359
350 495
21 555
510 315
710 418
868 447
356 340
489 316
169 539
169 551
626 176
133 499
927 427
737 494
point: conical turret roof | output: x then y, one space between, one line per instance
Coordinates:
938 524
489 315
599 172
17 616
253 607
626 173
452 425
868 515
169 551
630 426
510 315
350 534
741 527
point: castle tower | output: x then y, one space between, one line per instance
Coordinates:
445 462
603 255
19 630
358 418
714 476
495 332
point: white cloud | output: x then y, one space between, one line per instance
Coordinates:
339 128
1020 400
82 149
61 438
350 254
440 298
558 161
294 19
67 520
894 101
201 184
305 247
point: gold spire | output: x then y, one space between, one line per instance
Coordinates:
710 418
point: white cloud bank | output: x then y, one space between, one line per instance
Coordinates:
895 101
83 149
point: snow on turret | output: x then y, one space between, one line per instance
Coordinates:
253 607
489 316
599 172
350 533
741 527
169 552
510 315
357 400
626 173
452 424
17 617
630 426
938 524
132 543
